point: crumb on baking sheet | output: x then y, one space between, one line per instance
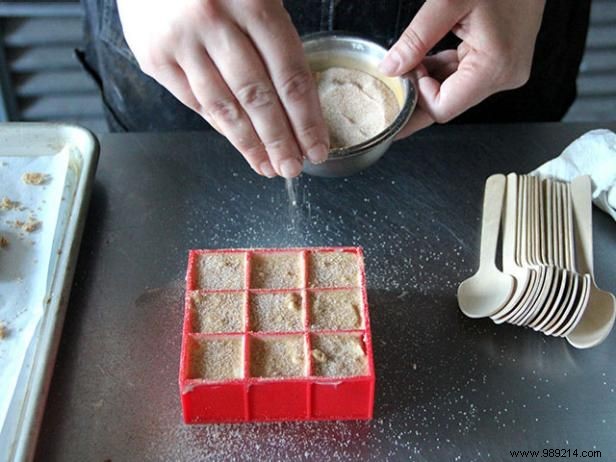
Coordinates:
29 226
4 242
3 331
34 178
8 204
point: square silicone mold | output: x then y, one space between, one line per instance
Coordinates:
276 334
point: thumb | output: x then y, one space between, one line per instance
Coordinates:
431 23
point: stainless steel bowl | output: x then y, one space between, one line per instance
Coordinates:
328 49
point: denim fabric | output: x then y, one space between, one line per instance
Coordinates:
135 102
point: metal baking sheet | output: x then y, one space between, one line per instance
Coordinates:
37 263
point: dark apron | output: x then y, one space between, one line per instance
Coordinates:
135 102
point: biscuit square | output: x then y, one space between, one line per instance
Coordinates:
334 269
218 311
216 359
276 312
336 309
338 355
277 356
276 270
219 270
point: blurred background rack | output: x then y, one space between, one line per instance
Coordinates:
40 77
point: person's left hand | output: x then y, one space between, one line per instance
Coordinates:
496 53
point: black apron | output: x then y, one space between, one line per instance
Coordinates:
135 102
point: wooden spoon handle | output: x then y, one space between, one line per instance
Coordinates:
582 212
509 223
492 211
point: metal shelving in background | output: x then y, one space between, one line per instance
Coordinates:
40 77
597 80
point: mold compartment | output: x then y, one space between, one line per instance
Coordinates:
343 399
339 355
334 269
276 312
336 310
216 358
277 356
276 270
214 402
218 312
278 399
221 270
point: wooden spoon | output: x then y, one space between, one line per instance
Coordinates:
524 277
521 221
546 273
489 289
597 320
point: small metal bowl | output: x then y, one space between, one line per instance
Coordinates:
332 49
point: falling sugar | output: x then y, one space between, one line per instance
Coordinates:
295 207
292 185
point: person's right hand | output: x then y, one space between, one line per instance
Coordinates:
241 66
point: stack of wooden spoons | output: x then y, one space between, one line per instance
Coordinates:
546 280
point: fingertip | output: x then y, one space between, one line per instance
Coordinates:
290 168
267 169
419 72
391 63
318 154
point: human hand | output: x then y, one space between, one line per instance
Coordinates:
498 41
241 66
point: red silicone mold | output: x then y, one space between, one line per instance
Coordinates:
310 391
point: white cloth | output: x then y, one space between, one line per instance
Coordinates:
593 154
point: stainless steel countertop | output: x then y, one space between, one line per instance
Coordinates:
448 387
